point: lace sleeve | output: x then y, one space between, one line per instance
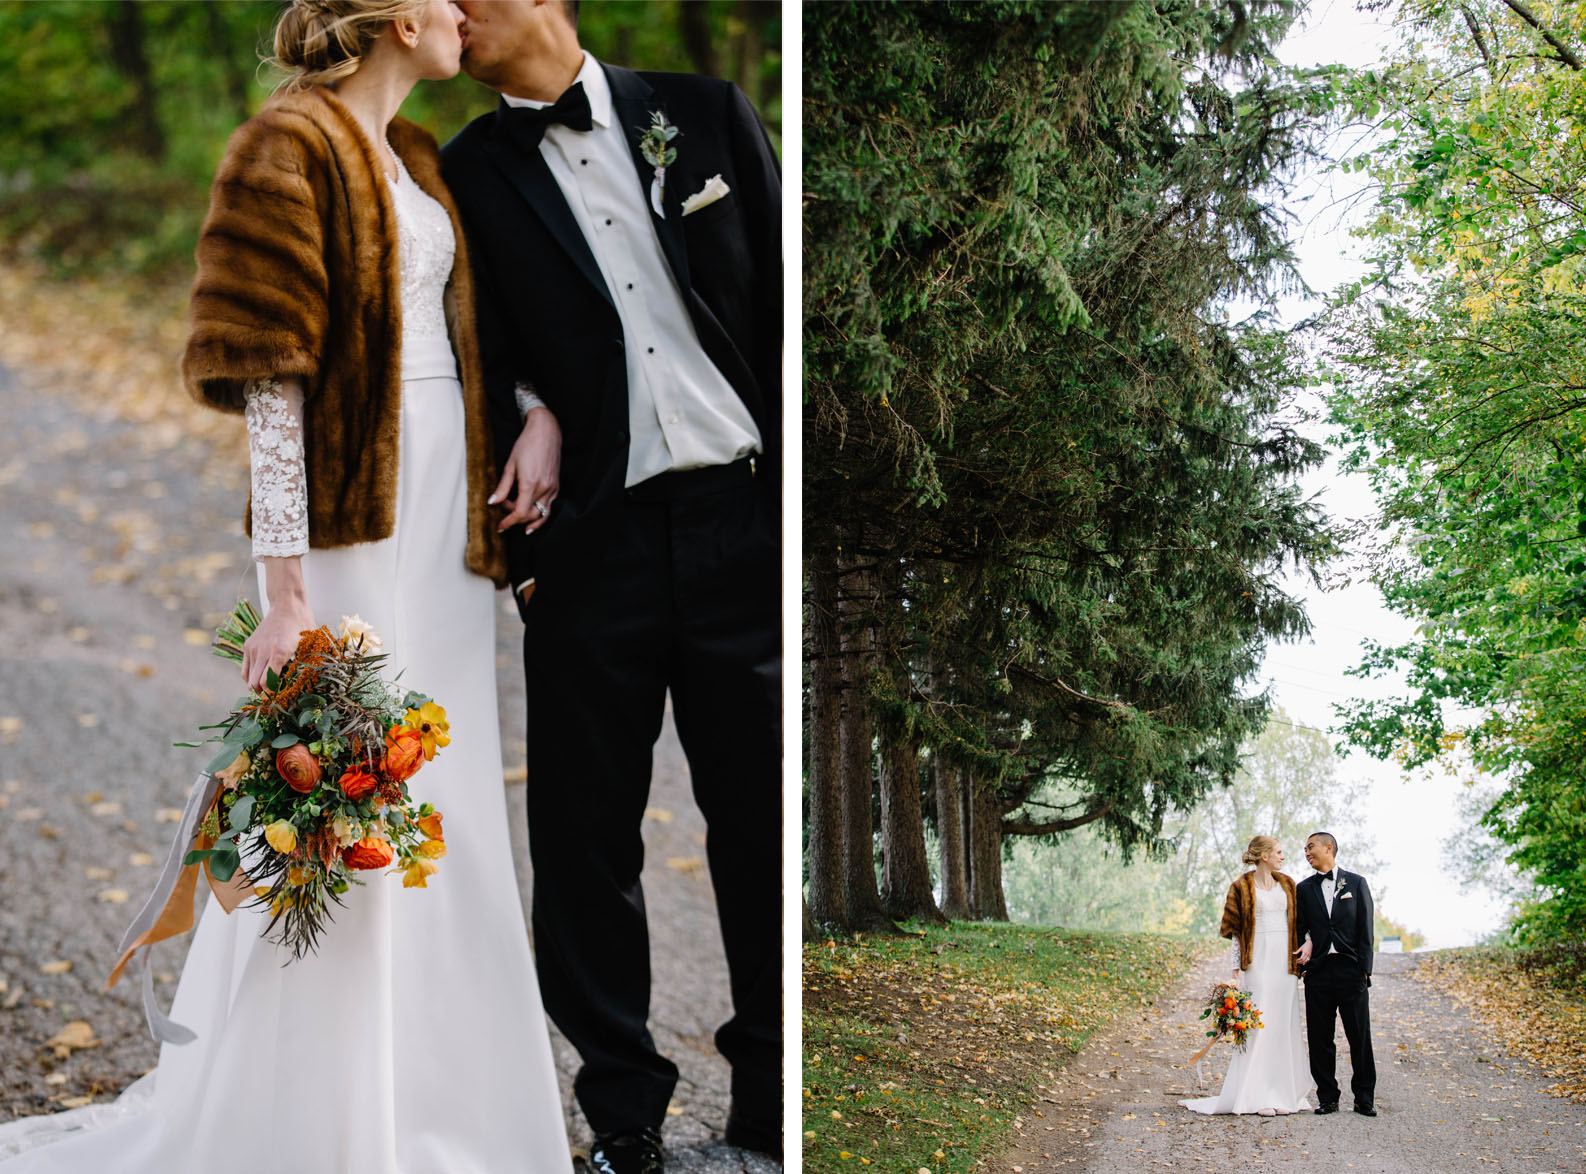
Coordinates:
527 400
274 414
1233 953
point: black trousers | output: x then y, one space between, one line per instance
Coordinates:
1335 988
686 599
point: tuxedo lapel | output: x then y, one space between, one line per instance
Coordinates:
632 103
528 173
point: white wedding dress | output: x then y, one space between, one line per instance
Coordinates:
1272 1072
414 1041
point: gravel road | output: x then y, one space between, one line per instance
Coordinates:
1447 1100
122 548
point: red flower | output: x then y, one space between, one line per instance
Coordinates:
369 852
356 783
404 753
298 767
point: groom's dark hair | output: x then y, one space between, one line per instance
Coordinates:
570 10
1332 844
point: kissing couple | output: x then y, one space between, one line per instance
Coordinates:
1322 930
547 357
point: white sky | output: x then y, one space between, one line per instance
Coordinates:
1408 819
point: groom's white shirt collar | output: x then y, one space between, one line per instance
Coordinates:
596 88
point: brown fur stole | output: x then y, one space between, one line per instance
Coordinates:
298 276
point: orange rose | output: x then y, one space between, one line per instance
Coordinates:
404 753
430 825
356 783
298 767
369 852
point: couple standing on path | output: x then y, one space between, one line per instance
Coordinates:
547 357
1321 929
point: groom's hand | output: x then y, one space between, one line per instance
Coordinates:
533 473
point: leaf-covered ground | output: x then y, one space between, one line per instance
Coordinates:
922 1052
1532 1009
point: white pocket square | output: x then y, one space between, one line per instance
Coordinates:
715 188
1346 896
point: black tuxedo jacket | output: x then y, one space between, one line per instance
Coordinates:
546 317
1351 927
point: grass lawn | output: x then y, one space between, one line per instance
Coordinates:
919 1051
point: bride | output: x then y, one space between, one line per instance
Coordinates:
1270 1077
333 309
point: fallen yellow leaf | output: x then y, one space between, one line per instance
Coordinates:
74 1036
114 896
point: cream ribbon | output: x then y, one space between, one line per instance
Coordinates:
169 909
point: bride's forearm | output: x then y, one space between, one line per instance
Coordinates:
283 580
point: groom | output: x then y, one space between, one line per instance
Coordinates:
1336 920
625 233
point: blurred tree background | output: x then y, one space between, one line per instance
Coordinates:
113 113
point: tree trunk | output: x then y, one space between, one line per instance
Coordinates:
985 853
126 48
905 869
694 27
950 834
858 757
812 932
746 43
827 900
221 49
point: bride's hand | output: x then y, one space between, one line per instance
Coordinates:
535 467
1236 977
275 639
1304 953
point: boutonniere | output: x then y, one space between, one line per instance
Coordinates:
655 144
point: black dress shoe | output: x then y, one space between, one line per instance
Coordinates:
1326 1107
627 1151
763 1135
1365 1110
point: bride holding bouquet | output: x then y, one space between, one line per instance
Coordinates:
1269 1075
333 309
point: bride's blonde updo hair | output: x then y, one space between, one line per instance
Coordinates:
1259 847
319 42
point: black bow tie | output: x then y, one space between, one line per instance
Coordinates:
528 123
1332 876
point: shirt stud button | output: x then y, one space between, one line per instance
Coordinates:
584 162
649 350
608 220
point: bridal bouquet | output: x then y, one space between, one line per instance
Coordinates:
1233 1013
313 775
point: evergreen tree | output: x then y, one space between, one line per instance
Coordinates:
1029 425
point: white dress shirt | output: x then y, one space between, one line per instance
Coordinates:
682 411
1329 887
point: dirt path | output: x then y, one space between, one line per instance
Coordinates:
122 547
1447 1099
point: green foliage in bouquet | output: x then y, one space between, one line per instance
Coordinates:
313 774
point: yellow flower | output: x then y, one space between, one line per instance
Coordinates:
261 890
434 849
416 875
429 720
297 875
281 836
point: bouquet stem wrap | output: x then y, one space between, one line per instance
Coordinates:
169 909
